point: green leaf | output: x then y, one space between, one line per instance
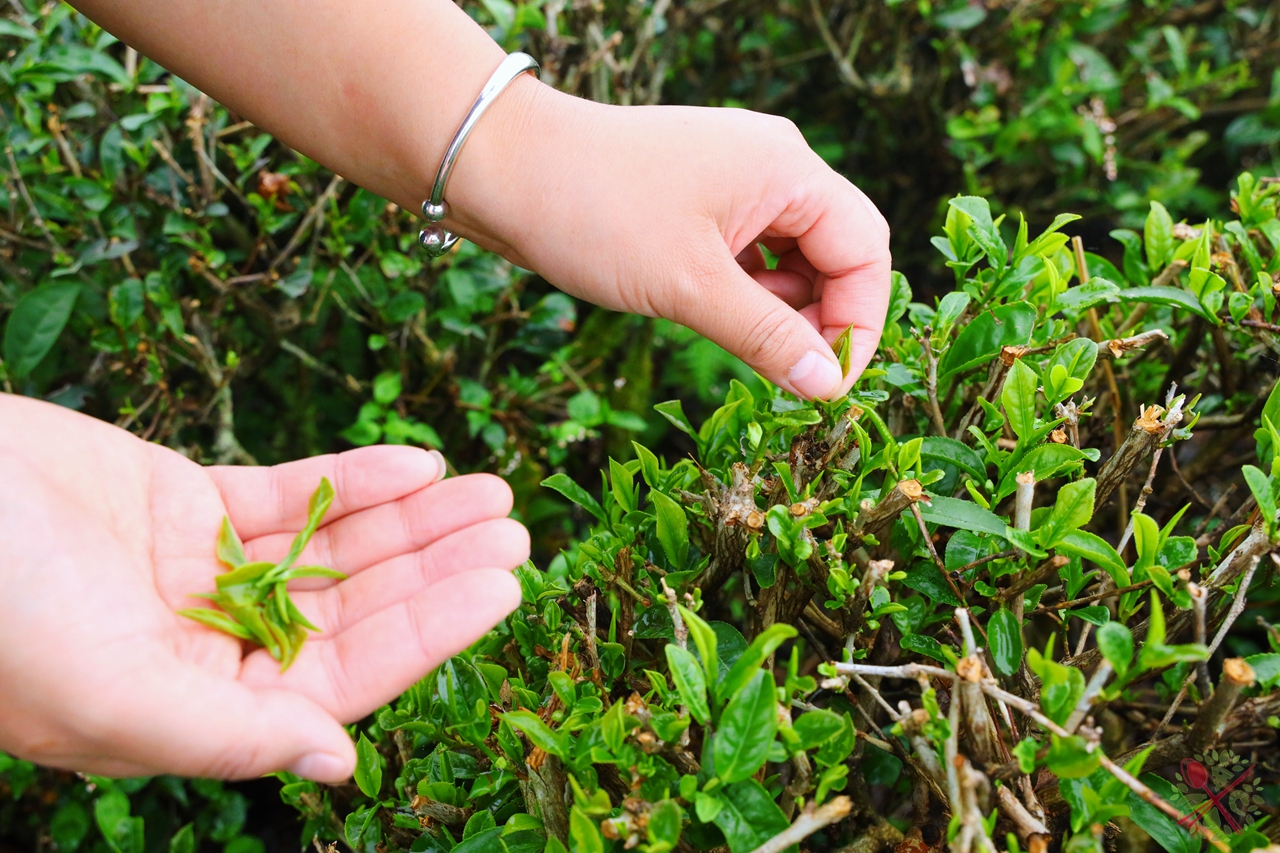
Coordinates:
1091 547
1116 644
538 732
584 835
1045 461
927 578
184 840
962 514
230 548
1163 829
1266 668
368 773
745 668
1263 493
984 337
746 729
1070 757
673 529
1158 237
648 464
565 485
122 832
665 819
690 681
321 500
954 452
35 324
749 817
217 621
1019 400
816 727
70 824
1005 633
1162 295
704 637
1072 509
922 644
673 411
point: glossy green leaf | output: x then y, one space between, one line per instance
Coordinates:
749 817
538 732
746 729
1005 634
1158 237
565 485
962 514
687 673
673 529
1163 295
983 338
368 773
35 324
1092 547
745 668
1116 644
1072 509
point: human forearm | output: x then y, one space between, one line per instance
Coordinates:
372 89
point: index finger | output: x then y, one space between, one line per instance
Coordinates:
842 234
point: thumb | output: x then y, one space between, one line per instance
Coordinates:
779 342
202 725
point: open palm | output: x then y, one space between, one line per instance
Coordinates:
103 537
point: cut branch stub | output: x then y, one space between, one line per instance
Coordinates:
872 520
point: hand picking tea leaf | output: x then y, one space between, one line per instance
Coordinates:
254 597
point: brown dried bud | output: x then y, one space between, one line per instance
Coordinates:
272 184
800 509
1058 436
755 519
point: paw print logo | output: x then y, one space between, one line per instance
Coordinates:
1222 790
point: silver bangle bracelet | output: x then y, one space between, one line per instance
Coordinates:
435 238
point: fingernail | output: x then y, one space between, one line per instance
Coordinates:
321 767
441 467
815 375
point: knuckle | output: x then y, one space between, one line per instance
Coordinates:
766 340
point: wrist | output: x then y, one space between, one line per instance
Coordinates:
497 189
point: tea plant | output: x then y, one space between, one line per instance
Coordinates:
921 607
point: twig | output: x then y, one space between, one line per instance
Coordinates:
1237 607
1147 795
1106 593
1236 675
677 621
810 821
1025 496
312 214
908 670
931 382
1142 500
31 205
1095 686
1117 347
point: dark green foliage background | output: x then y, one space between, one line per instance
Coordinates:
240 324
